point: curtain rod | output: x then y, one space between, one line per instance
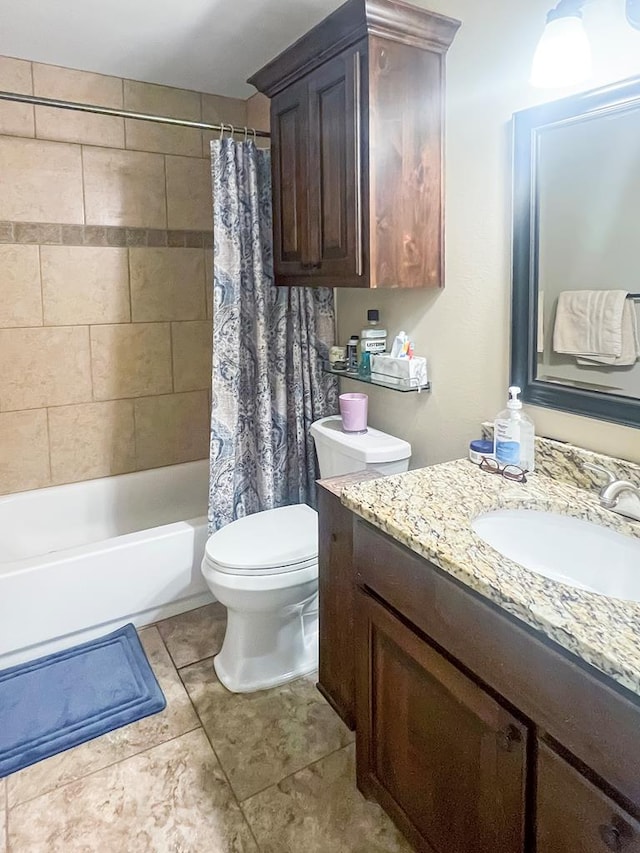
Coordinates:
109 111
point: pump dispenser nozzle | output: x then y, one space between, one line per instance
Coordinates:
514 401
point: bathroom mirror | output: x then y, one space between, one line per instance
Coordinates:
576 227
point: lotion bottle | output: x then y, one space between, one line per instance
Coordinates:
513 434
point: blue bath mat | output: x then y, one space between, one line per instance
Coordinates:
58 701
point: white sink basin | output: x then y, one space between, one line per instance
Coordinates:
575 552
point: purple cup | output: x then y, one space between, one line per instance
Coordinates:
353 408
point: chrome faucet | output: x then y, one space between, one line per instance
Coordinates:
621 496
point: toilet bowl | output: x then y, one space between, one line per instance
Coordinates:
264 569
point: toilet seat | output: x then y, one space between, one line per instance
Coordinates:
276 541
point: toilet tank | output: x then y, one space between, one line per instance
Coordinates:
342 452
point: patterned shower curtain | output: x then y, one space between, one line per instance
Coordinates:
268 346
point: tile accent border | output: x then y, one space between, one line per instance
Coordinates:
53 234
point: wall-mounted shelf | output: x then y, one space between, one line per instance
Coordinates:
393 383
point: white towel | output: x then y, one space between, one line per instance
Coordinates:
630 341
589 324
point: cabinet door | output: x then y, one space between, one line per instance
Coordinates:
335 171
289 169
336 593
574 816
441 756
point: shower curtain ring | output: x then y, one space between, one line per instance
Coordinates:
255 136
233 130
246 133
221 131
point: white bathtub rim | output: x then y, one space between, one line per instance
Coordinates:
115 543
42 521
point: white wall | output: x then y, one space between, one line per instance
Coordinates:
464 329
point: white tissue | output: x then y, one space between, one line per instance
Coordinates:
411 372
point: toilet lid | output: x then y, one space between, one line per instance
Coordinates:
276 540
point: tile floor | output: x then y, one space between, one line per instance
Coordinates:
213 773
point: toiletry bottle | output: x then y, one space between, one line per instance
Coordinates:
364 365
352 354
373 339
478 448
513 434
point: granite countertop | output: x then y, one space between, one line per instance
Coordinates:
336 485
430 510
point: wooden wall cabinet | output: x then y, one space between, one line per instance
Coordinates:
475 733
357 148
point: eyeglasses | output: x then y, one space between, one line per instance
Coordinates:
509 472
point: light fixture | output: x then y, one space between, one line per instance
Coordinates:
633 13
563 55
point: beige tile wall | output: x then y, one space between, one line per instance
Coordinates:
105 306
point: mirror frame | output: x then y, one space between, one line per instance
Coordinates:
527 125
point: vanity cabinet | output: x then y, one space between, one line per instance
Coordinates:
357 148
477 733
336 593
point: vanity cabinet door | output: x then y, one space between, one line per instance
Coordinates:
574 816
441 756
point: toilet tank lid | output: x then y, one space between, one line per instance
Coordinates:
276 537
372 446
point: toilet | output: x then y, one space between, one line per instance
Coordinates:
264 568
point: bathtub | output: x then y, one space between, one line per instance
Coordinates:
80 560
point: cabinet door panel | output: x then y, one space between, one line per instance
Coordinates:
406 131
573 816
441 756
336 588
335 197
289 129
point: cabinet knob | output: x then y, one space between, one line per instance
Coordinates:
611 836
616 835
509 738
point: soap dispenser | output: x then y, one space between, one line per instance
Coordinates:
513 434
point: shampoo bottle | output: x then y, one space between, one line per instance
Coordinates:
513 434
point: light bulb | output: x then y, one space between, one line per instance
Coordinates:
633 13
563 55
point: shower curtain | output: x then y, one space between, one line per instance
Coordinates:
268 346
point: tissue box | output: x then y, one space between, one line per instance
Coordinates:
407 372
